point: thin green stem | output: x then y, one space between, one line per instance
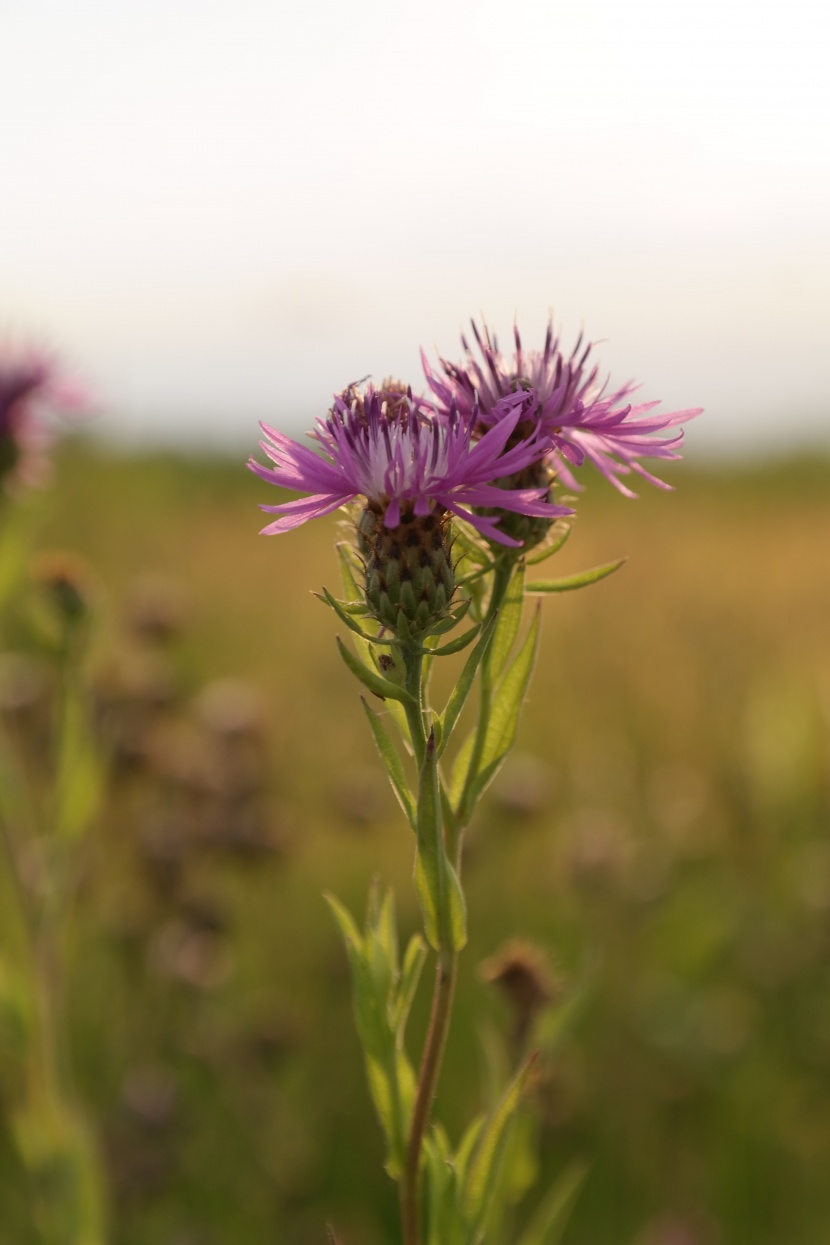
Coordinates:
414 663
428 1078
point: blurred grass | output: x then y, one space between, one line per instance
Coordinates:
662 830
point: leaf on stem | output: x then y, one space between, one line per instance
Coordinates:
580 580
413 963
371 679
445 724
346 617
394 765
510 617
504 713
381 996
551 1217
480 1185
559 535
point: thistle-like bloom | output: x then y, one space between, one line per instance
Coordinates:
30 384
404 459
574 416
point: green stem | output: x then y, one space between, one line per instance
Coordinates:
414 661
430 1067
446 967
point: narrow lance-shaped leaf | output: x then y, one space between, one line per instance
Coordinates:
371 679
509 621
413 963
373 964
461 771
346 617
551 1217
462 688
484 1169
455 646
546 551
394 766
452 620
504 715
580 580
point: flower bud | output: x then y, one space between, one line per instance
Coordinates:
409 576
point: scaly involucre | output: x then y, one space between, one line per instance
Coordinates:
394 450
574 416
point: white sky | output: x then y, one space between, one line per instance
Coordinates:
221 210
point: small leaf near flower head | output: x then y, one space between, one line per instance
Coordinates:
580 580
370 678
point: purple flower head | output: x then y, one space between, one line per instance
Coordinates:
394 450
573 415
30 384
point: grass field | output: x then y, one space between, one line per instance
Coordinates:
663 831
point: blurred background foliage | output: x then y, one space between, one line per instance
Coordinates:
660 834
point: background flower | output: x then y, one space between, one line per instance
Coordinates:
31 384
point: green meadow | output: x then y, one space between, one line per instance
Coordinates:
661 833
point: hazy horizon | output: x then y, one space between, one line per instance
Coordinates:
224 213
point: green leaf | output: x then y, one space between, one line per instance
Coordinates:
381 942
373 960
467 1147
371 679
581 580
509 698
485 1165
345 616
413 963
509 621
551 1217
439 891
462 688
346 923
443 1226
452 620
461 770
393 763
555 543
455 646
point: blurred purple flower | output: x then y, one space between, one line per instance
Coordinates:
31 383
574 416
394 450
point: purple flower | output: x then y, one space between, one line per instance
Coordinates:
30 384
394 450
573 415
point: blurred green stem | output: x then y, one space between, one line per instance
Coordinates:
439 1024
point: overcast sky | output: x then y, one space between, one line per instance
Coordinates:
223 210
